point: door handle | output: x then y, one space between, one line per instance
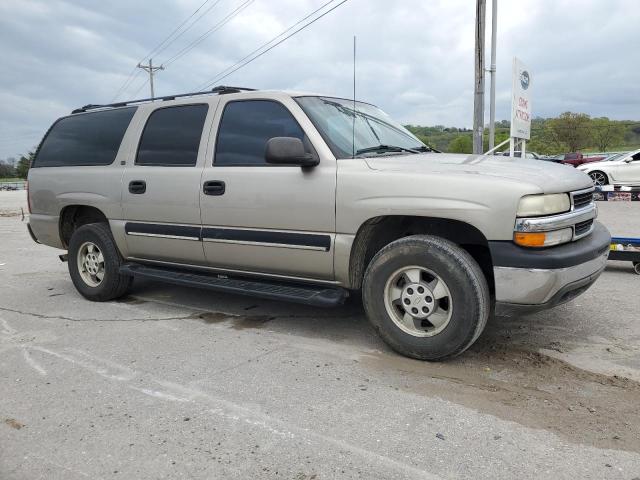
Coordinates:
137 187
213 187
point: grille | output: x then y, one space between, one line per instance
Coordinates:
581 200
583 227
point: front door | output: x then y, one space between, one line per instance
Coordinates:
161 185
628 172
266 218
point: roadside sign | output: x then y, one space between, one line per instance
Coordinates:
520 101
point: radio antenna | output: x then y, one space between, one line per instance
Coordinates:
353 127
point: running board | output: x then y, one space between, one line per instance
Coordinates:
299 293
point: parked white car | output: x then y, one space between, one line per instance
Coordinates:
622 169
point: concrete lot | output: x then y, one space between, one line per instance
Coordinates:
178 383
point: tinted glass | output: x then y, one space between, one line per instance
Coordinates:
172 136
246 127
84 139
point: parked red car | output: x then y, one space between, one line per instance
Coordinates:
577 158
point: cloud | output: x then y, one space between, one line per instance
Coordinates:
415 58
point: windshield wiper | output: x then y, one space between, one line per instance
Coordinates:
424 148
386 148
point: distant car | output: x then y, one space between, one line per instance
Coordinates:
532 155
577 158
621 169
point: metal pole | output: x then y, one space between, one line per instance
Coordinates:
151 77
150 69
478 102
492 70
353 125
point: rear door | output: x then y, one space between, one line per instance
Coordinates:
265 218
161 184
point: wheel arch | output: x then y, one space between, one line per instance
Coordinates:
73 217
377 232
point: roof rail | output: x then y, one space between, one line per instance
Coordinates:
220 90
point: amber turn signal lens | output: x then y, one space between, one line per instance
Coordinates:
530 239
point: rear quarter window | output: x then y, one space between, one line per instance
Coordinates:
84 139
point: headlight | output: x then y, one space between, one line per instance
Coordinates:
540 205
543 239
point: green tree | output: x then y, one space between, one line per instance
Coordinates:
461 144
499 138
6 170
22 168
573 130
606 133
544 140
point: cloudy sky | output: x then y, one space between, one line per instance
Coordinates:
415 57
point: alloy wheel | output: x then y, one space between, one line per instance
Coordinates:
418 301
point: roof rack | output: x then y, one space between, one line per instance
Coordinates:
220 90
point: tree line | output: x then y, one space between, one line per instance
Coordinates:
569 132
19 170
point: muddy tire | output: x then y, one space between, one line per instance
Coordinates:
426 297
94 264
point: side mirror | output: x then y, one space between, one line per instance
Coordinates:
288 151
628 160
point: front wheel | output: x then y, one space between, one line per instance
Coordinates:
599 178
94 264
427 298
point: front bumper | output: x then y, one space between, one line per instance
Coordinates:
530 280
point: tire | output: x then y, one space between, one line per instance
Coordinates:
636 267
461 315
103 257
599 178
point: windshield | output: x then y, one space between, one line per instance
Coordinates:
375 132
617 156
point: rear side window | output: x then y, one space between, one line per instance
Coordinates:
245 128
84 139
172 136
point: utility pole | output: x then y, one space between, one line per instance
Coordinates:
492 71
478 101
151 70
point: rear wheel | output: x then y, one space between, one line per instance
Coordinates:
94 264
599 178
426 297
636 267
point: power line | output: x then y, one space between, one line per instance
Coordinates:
140 88
273 39
217 78
158 48
128 81
209 32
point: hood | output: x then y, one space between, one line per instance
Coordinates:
603 163
550 177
